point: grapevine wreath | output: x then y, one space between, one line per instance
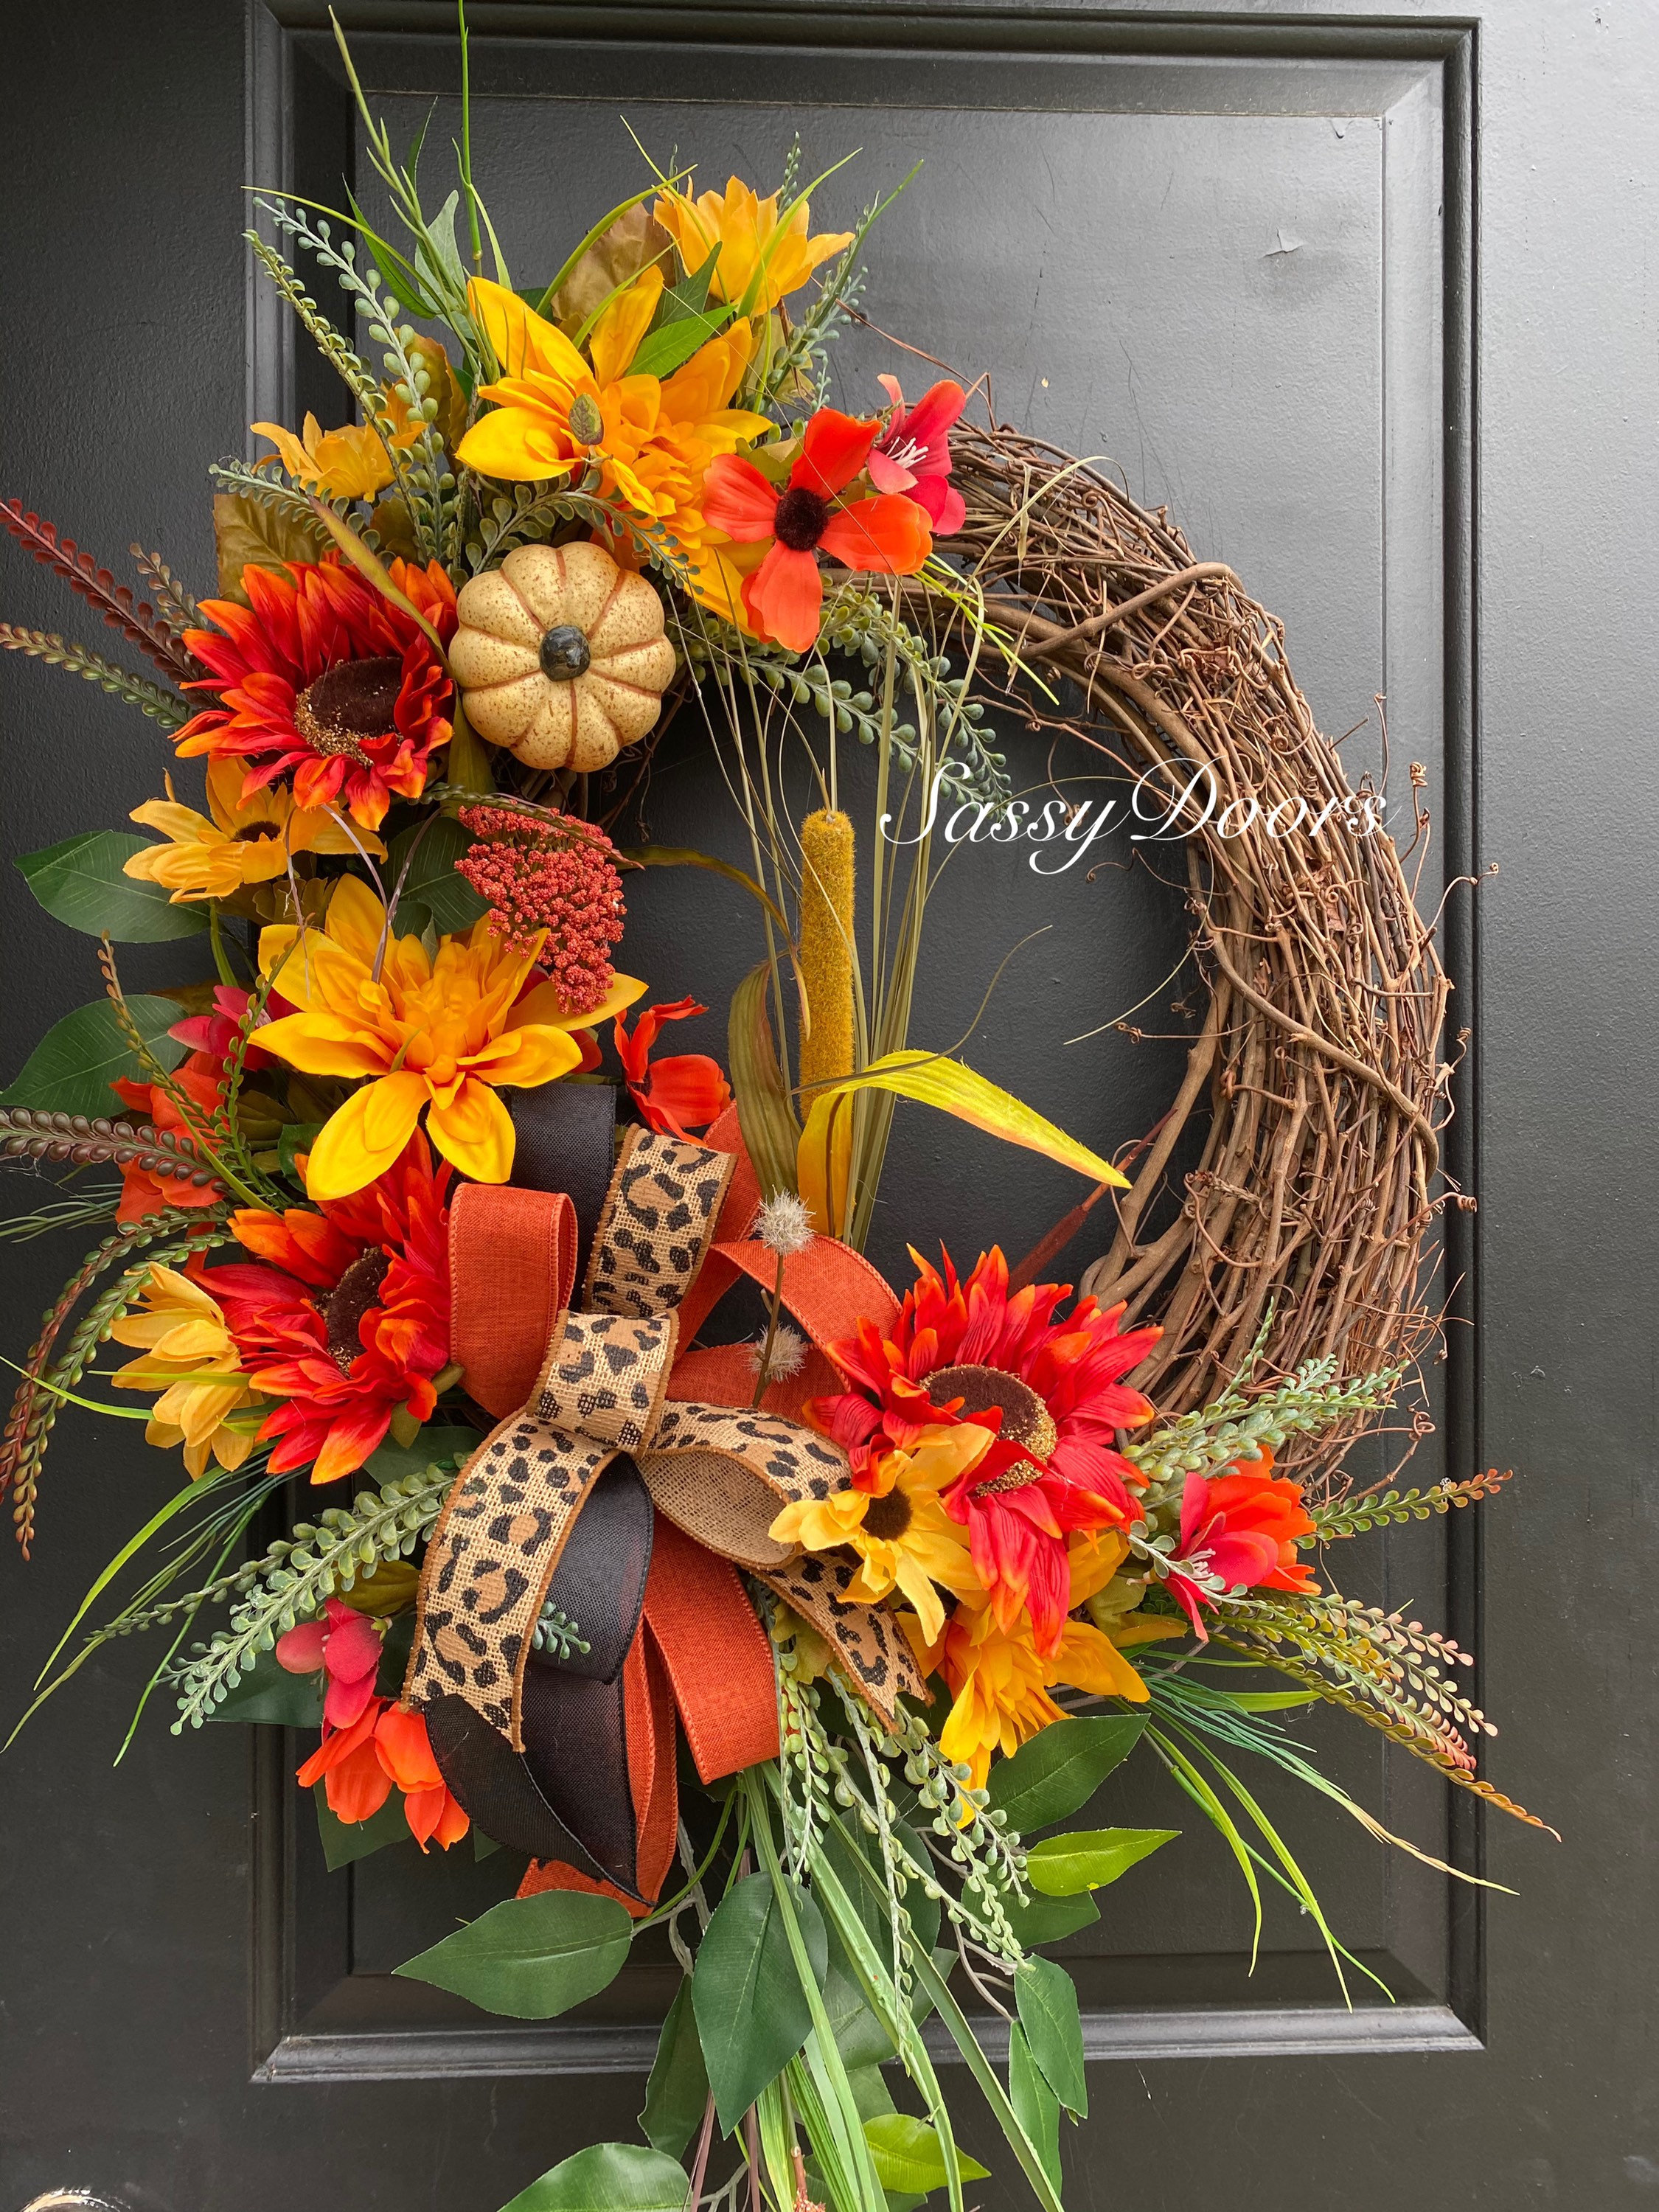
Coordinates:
412 1209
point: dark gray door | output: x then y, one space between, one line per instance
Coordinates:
1364 300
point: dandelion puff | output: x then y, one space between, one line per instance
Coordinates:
784 1224
788 1354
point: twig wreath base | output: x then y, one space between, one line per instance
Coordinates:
1319 1052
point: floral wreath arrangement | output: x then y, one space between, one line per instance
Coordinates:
910 1574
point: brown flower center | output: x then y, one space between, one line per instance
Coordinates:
1025 1419
352 701
887 1518
357 1290
802 517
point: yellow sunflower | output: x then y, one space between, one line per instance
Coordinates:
902 1536
652 438
190 1356
239 841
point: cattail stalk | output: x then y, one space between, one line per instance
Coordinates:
826 949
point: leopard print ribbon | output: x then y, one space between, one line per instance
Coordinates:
719 1473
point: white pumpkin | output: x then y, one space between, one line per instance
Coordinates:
561 656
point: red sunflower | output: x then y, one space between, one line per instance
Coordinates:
321 678
351 1321
970 1351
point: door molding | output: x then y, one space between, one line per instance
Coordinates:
299 136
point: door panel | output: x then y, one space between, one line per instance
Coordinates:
1083 231
1240 248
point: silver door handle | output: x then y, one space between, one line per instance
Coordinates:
73 2200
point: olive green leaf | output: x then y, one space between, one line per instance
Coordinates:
752 2013
530 1957
71 1070
677 2091
81 882
1088 1858
1060 1768
1047 2000
908 2155
607 2178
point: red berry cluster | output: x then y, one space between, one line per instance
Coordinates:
552 872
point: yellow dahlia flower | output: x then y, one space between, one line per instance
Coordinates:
238 840
192 1357
652 439
433 1036
756 249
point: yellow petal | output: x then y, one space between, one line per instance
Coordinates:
518 446
357 919
474 1131
542 1008
366 1136
616 338
1089 1660
526 1058
319 830
916 1586
182 824
522 341
323 1044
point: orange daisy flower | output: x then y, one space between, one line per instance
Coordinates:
1238 1530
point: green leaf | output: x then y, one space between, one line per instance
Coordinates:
908 2156
1271 1701
683 322
860 2036
272 1695
81 882
296 1137
1046 1997
1036 2105
1088 1858
752 2013
433 891
530 1957
435 1443
249 532
607 2178
345 1842
71 1070
1038 1920
677 2091
1060 1768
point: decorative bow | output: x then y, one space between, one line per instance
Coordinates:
602 1520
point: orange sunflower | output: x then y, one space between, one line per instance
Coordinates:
973 1350
321 678
347 1319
